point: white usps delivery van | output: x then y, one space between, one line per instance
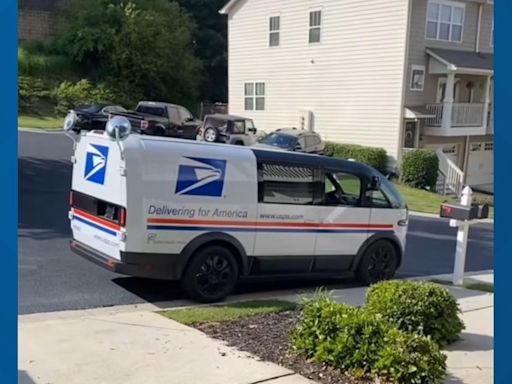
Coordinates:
211 214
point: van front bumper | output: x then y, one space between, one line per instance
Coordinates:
153 266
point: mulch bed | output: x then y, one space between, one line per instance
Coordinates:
268 338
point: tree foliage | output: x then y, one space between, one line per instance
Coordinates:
210 37
144 47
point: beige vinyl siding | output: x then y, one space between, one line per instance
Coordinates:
486 29
352 80
418 43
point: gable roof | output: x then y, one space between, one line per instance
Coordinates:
228 7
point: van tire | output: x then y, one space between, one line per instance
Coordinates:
379 262
219 271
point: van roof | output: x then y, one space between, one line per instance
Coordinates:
313 161
275 155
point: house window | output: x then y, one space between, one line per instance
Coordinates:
445 21
315 26
417 77
274 31
254 96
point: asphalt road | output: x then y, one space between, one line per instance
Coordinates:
51 278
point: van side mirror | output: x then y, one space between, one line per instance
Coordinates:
375 183
252 130
298 147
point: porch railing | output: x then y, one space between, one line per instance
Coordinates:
452 175
463 114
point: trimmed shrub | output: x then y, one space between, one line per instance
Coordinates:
70 95
319 321
419 169
374 157
410 359
417 307
362 343
340 335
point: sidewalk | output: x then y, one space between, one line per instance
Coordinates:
131 345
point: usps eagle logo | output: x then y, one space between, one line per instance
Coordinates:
96 163
201 177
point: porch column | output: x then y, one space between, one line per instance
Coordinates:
487 103
446 121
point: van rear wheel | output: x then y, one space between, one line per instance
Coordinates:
379 262
211 275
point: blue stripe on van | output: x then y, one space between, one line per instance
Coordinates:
267 230
95 225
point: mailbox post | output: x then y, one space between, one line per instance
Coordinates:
462 239
462 216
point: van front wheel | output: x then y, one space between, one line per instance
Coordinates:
379 262
211 275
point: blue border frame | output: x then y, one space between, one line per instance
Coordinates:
8 192
503 186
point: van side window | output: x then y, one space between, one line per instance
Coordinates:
378 199
284 184
342 189
386 197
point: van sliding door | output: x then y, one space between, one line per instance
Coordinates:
287 219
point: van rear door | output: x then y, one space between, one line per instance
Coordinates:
98 195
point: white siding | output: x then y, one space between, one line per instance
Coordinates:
352 81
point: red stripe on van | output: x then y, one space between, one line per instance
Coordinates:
96 220
267 224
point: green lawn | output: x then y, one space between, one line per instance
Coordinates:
422 201
43 122
217 313
419 200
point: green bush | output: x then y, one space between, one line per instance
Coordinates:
362 343
410 359
33 91
419 169
417 307
374 157
122 45
71 95
39 63
340 335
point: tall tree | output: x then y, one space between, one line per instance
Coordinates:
210 37
143 46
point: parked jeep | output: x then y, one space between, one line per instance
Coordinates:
229 129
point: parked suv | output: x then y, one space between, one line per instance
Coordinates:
162 119
292 139
228 129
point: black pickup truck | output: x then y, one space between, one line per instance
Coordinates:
162 119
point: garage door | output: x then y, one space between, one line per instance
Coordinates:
480 163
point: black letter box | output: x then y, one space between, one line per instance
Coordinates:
463 212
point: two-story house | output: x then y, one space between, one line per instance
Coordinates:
397 74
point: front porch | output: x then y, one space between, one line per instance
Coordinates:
463 92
